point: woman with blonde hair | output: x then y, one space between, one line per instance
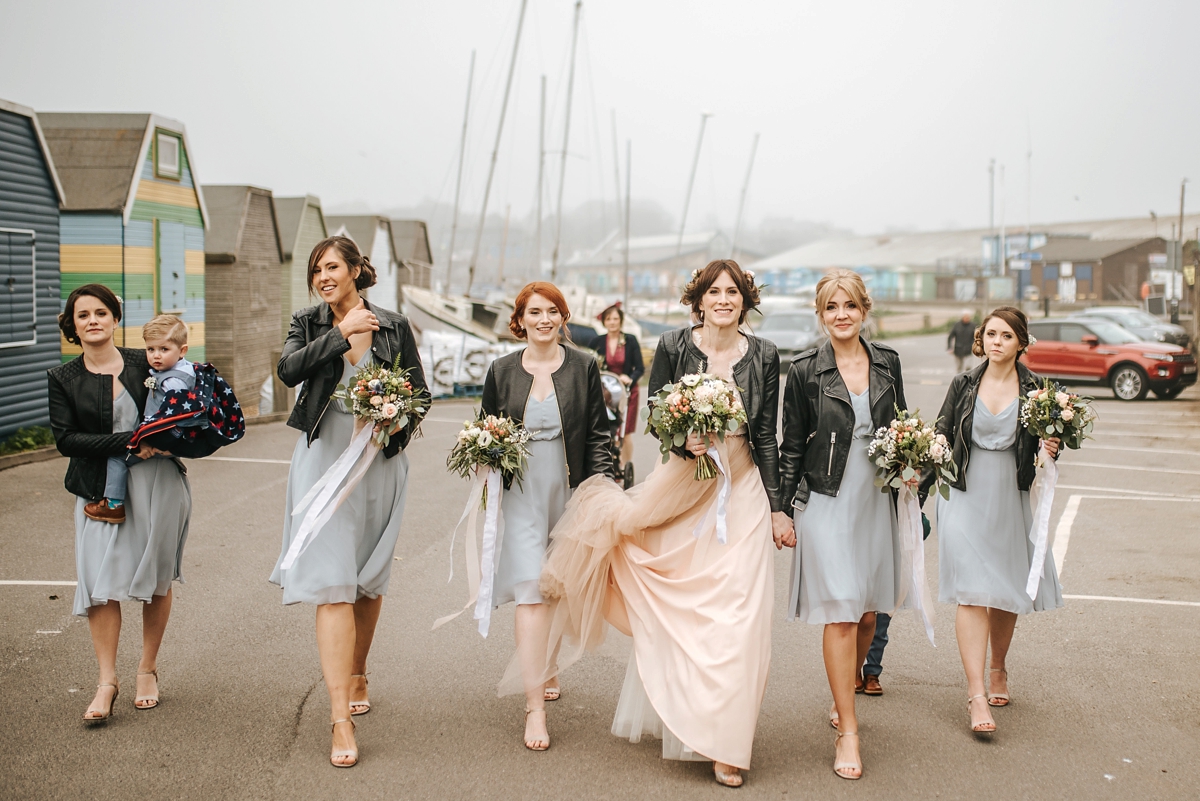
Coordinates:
847 562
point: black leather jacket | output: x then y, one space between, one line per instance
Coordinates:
81 417
580 406
957 419
756 375
818 420
313 354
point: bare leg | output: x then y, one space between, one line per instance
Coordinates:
104 623
1002 624
335 643
971 629
154 625
366 616
866 633
532 624
840 648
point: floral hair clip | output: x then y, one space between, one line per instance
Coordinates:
695 273
1032 340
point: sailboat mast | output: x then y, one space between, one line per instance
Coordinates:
737 227
617 169
503 247
487 189
537 245
562 173
462 151
687 198
628 177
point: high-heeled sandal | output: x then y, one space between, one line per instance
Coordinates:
728 779
980 728
346 752
552 693
834 718
999 699
538 745
840 767
108 714
137 701
365 704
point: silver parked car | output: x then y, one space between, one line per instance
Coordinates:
1141 324
792 331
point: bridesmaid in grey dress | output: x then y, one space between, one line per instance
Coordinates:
847 559
96 401
555 392
345 568
984 550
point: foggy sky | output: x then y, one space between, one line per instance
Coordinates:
873 115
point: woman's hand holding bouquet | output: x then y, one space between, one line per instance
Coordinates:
384 397
692 411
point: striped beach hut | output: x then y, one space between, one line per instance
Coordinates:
133 219
301 227
30 197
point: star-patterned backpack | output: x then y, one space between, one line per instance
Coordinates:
195 422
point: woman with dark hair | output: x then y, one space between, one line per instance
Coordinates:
345 569
651 562
96 402
847 564
622 355
555 392
984 550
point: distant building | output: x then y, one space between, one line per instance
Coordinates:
301 227
1077 270
133 218
30 199
243 258
411 240
659 266
373 235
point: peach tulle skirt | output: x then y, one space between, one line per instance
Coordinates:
699 612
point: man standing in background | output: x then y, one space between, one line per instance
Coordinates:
962 336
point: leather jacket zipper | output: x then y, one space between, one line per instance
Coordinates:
832 443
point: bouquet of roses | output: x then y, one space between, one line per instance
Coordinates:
700 403
908 446
1053 412
384 397
493 442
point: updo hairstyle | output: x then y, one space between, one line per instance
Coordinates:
1016 320
828 286
66 320
348 250
701 280
548 291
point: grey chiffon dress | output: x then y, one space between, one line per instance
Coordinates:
351 556
984 550
531 510
847 559
137 559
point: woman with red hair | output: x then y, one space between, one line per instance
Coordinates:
555 392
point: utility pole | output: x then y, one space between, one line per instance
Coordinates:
737 226
628 179
562 172
687 198
1179 261
537 244
462 151
992 195
503 248
617 169
487 189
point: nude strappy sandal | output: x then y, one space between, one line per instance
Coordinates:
728 779
364 703
538 745
999 699
841 768
979 728
112 702
137 701
347 752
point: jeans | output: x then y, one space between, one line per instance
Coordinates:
874 663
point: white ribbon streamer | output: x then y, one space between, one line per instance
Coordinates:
912 560
350 467
724 484
481 565
471 512
1039 535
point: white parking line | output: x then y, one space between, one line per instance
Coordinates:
239 459
1134 467
1130 600
1110 492
42 583
1062 533
1143 450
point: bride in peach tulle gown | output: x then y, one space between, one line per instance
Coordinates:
649 561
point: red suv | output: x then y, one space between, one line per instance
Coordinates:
1092 351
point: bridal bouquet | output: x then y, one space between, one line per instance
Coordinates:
907 447
491 442
700 403
1053 412
383 396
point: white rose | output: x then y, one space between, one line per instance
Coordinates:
1068 415
703 408
376 400
389 410
1062 398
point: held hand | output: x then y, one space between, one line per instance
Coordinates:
1052 445
147 451
359 320
624 380
782 531
696 444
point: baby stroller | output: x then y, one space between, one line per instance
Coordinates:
616 401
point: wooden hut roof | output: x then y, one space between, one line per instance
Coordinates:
289 213
228 207
25 111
